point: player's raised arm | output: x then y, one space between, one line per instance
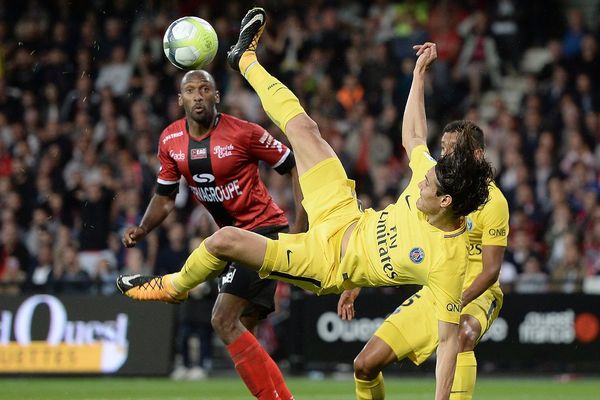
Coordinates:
414 123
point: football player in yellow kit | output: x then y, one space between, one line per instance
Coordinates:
481 299
421 239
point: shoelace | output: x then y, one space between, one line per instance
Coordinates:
152 284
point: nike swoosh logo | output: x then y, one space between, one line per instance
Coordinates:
289 252
407 202
258 17
127 279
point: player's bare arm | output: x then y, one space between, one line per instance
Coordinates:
158 209
492 257
414 123
446 359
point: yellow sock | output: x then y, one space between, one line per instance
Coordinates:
200 266
370 390
278 101
464 376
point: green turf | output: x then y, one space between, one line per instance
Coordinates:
232 389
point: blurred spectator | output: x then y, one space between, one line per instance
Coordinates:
115 74
135 263
591 245
69 277
94 202
571 41
478 59
504 26
40 278
172 255
532 279
568 273
14 258
106 276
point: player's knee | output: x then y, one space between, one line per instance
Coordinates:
363 369
303 126
467 338
222 322
222 242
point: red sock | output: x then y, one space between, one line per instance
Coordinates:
277 377
247 356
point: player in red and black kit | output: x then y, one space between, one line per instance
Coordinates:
218 156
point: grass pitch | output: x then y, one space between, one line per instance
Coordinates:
232 389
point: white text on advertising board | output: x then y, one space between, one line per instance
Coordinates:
70 346
331 328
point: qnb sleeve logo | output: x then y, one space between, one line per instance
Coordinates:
70 346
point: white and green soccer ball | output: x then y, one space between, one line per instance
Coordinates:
190 43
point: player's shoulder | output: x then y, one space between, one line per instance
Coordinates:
237 123
496 198
172 131
421 151
496 205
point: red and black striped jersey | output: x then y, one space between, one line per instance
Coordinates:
221 170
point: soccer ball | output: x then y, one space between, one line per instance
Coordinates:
190 43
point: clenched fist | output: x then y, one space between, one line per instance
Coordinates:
132 235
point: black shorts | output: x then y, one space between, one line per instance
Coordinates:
245 283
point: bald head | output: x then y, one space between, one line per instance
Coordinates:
198 74
198 96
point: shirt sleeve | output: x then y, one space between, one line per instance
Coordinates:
169 174
446 284
494 221
420 162
263 146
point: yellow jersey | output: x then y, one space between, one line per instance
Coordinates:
400 247
487 226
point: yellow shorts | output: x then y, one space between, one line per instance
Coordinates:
311 260
415 324
485 309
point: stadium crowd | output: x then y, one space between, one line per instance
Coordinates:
85 91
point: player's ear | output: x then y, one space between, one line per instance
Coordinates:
217 97
446 201
179 99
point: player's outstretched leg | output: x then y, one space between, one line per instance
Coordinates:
280 104
206 262
158 288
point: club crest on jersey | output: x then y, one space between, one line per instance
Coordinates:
416 255
179 156
223 151
198 154
469 224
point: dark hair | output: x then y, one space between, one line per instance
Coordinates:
466 127
464 176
